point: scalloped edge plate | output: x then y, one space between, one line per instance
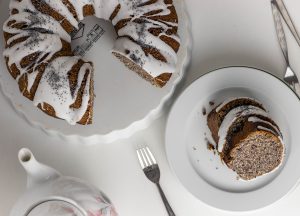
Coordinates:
112 134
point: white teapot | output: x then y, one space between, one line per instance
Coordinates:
51 194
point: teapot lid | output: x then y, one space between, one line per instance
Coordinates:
55 208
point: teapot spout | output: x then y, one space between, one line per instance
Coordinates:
37 173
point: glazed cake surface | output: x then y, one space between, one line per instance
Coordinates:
247 139
39 57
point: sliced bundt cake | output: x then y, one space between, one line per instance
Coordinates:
39 57
247 139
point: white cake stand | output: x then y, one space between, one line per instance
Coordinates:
124 102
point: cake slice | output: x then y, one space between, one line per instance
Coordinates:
147 40
260 152
247 139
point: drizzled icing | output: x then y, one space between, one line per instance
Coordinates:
225 102
256 119
266 129
139 32
48 44
232 116
44 37
56 88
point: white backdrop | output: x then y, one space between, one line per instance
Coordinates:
225 33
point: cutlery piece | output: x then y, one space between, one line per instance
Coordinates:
278 10
285 14
291 79
152 172
279 30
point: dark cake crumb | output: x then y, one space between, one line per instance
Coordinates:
209 145
211 103
204 111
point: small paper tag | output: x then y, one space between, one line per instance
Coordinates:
85 37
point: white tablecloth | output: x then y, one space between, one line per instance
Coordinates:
225 33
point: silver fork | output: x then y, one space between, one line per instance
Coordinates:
152 172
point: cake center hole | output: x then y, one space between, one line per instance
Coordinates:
93 37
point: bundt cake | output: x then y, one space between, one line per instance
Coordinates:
247 139
39 57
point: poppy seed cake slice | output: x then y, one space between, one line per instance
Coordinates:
248 140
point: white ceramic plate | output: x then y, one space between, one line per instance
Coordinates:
200 171
124 103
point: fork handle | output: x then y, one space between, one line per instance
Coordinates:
163 197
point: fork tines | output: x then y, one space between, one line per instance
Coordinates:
145 157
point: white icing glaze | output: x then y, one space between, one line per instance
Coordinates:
105 8
266 129
232 116
140 34
218 108
151 64
43 35
51 44
54 89
257 119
